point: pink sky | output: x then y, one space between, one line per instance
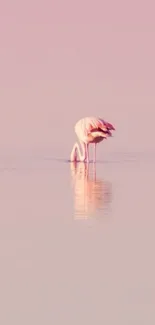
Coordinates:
76 59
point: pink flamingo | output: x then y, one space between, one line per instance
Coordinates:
89 130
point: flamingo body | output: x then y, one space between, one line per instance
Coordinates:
90 130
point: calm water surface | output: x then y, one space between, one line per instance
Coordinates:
77 242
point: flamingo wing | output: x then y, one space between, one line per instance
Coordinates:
88 125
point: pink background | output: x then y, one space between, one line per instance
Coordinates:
62 60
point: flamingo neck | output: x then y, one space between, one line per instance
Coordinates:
76 152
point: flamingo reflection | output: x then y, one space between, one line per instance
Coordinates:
90 194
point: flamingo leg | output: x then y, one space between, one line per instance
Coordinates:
87 152
94 153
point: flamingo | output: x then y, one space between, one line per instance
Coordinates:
89 130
